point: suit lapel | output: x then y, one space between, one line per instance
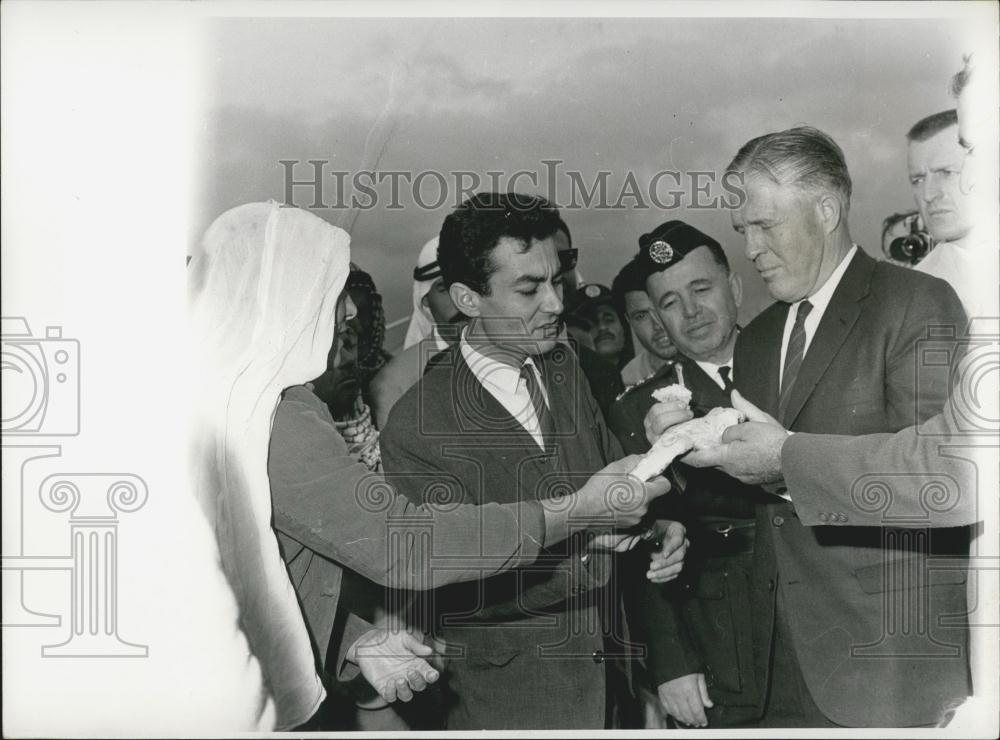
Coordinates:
834 328
485 414
705 392
757 371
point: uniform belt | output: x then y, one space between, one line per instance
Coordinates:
725 537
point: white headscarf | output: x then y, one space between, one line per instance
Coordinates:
421 321
264 293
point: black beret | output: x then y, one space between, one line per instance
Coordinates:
668 243
586 297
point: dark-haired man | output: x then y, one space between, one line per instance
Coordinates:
935 159
628 291
504 416
700 657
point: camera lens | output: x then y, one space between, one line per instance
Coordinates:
911 248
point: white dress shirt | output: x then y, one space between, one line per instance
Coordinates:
971 269
504 383
712 371
819 299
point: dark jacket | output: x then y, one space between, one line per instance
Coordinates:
872 611
698 623
522 645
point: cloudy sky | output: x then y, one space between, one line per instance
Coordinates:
619 95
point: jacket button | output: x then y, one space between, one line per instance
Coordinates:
770 584
598 656
778 521
823 516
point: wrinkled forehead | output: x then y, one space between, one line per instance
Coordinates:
764 196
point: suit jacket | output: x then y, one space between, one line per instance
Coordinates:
697 623
827 474
865 606
529 644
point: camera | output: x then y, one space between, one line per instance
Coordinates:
914 246
41 381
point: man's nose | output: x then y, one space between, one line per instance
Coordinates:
752 248
552 299
690 306
932 188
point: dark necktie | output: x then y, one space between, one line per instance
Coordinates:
727 381
793 357
545 422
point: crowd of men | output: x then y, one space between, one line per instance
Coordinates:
810 596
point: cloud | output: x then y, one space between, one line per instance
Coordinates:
620 95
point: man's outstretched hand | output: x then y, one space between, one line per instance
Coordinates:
750 452
394 662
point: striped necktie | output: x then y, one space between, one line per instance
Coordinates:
793 357
546 424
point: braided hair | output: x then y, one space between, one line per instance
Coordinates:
371 355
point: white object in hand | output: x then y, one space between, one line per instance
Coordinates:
695 434
674 392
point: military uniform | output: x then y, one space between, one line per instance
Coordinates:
700 623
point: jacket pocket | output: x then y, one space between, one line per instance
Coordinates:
496 659
901 573
710 621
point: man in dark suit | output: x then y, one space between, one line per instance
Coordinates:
506 416
849 622
700 656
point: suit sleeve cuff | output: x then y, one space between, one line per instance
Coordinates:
354 628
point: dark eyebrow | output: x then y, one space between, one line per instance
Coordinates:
534 279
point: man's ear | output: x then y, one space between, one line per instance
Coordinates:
830 211
465 299
425 301
736 285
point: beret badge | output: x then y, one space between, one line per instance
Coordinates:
592 291
661 252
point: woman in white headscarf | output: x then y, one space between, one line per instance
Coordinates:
266 290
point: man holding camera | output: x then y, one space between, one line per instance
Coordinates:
935 159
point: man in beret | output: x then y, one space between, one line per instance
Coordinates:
608 328
601 372
699 648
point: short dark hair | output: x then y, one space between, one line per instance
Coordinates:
803 156
927 127
629 279
472 231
